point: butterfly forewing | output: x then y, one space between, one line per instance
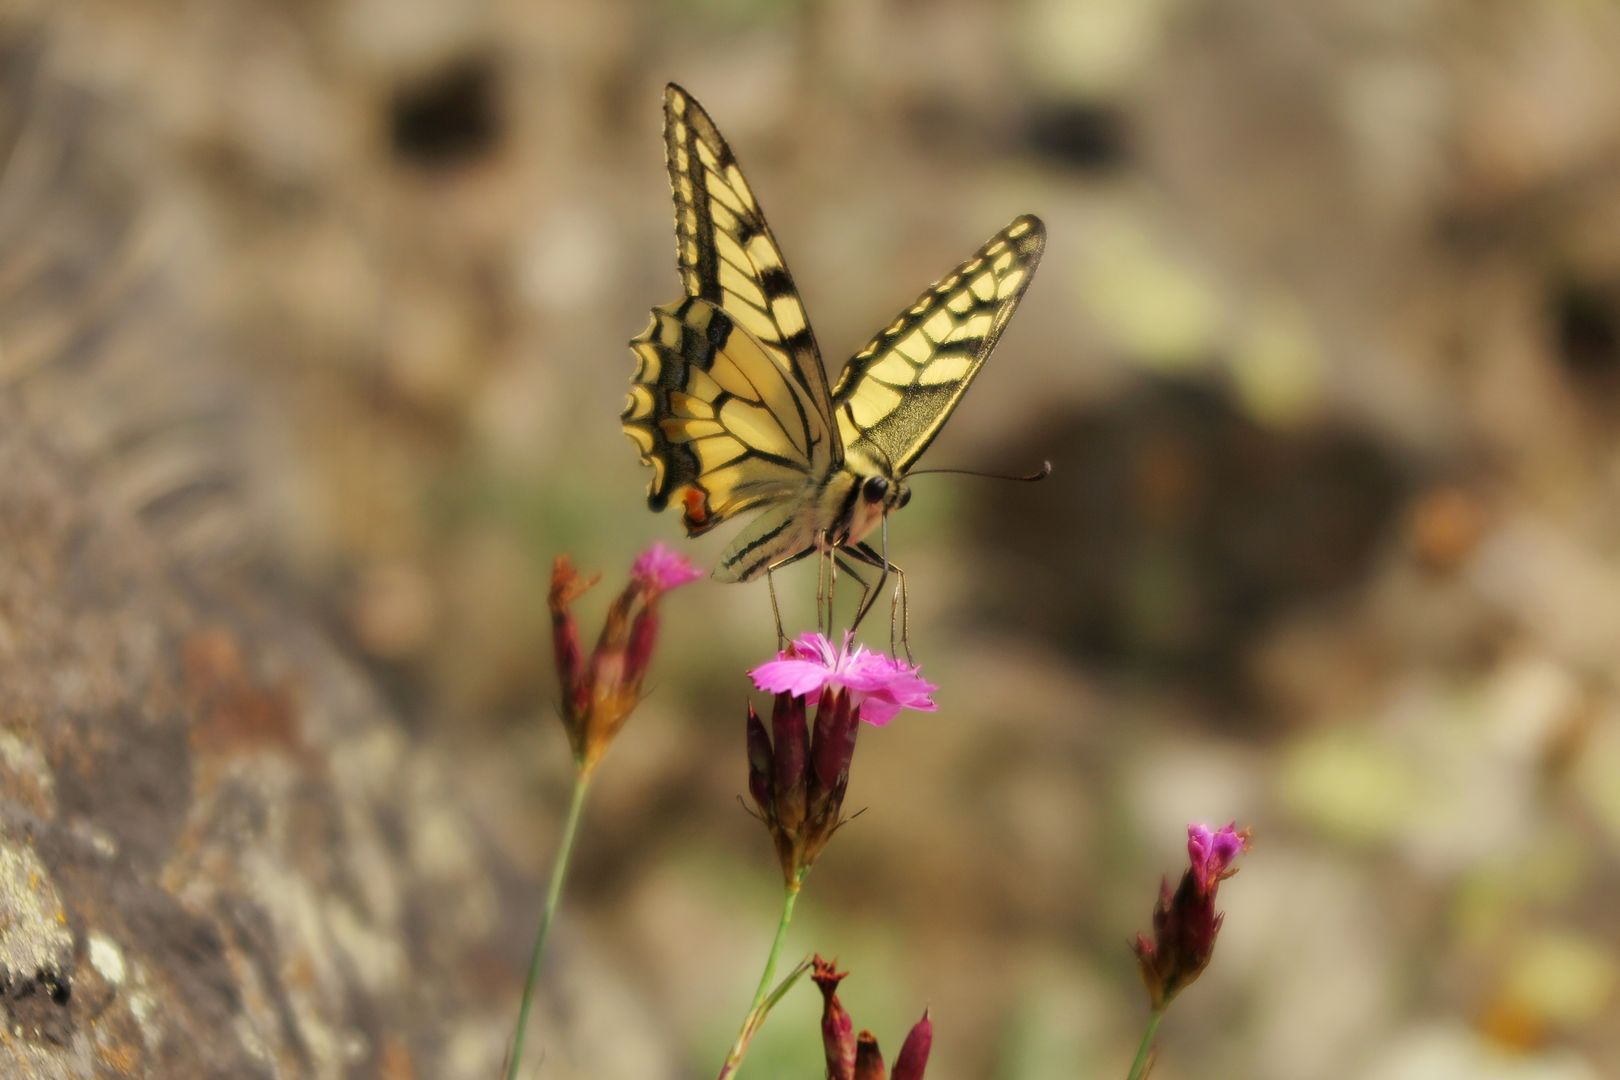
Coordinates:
724 427
728 256
897 392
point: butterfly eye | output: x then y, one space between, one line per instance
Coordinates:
874 489
905 497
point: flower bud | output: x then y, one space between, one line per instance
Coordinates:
759 762
1185 922
785 775
654 573
868 1058
790 746
837 724
643 636
913 1057
852 1058
599 694
837 1030
566 587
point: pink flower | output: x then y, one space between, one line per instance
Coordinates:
601 690
1212 853
879 684
1185 922
661 569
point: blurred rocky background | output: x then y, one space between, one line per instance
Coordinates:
312 344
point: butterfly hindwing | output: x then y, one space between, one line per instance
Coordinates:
897 392
724 427
728 256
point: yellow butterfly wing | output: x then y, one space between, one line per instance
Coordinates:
896 393
728 256
724 427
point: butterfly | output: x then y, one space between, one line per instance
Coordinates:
730 403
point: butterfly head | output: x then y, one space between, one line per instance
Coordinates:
874 490
884 494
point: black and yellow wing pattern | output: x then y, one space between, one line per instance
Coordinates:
897 392
725 249
730 404
723 424
748 319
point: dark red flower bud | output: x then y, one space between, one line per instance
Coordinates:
913 1057
804 803
837 724
790 742
1185 922
837 1030
643 636
566 587
570 657
868 1058
852 1058
759 763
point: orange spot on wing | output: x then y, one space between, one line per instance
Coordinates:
697 506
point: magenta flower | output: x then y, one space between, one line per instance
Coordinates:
1212 853
600 690
661 569
877 683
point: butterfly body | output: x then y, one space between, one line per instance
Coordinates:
730 404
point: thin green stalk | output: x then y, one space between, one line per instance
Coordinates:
559 870
1144 1053
756 1011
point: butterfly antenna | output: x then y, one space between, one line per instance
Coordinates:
1039 474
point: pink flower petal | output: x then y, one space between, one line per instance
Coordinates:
801 678
813 646
877 712
662 569
1212 852
879 684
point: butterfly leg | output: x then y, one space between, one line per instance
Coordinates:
905 616
832 589
823 621
866 587
776 609
872 557
869 595
827 597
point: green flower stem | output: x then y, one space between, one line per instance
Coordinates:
756 1012
559 869
1144 1053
